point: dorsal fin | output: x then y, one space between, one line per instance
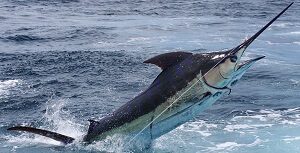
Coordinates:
168 59
53 135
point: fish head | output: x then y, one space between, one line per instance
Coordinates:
228 65
241 69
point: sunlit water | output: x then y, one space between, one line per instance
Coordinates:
63 62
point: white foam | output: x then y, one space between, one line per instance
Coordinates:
291 33
138 39
291 110
259 117
292 139
277 43
228 146
202 133
200 123
297 42
295 32
294 81
281 25
199 126
271 114
288 122
235 127
7 85
231 128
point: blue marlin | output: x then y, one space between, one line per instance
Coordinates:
188 84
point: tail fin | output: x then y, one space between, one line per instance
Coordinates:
56 136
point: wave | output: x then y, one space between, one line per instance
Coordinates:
23 38
57 34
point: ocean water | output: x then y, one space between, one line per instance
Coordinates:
63 62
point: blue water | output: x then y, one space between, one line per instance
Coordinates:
63 62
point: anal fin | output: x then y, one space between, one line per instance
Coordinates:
53 135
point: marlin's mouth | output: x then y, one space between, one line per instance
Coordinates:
248 63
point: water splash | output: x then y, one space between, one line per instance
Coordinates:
59 119
55 119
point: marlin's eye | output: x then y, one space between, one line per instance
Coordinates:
233 58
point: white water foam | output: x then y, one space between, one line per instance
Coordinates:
267 118
292 138
295 32
278 43
289 34
254 129
297 42
248 127
201 127
229 146
7 85
138 39
282 25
